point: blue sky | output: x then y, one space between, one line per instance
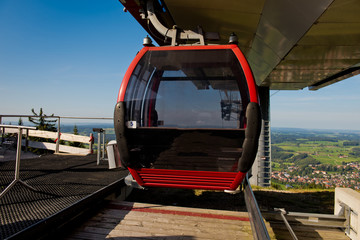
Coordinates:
69 57
333 107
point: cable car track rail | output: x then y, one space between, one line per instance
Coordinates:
258 227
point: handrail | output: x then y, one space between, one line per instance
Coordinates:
18 127
20 115
257 223
4 129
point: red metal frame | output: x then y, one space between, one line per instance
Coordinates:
248 74
243 62
129 72
182 178
148 177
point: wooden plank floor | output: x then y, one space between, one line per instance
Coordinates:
128 220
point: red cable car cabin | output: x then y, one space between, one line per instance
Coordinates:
188 117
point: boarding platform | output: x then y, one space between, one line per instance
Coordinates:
61 185
131 220
134 220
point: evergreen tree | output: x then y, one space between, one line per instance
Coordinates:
75 130
76 144
20 122
41 122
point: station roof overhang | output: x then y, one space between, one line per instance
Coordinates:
290 44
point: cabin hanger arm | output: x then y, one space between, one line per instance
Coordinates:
175 33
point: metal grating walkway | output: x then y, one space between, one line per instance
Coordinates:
61 180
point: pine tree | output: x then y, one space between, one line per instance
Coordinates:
76 144
75 130
41 122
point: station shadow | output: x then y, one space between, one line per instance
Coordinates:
107 223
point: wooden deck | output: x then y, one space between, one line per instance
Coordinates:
129 220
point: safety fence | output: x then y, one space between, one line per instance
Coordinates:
59 139
65 137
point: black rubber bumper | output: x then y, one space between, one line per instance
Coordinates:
252 133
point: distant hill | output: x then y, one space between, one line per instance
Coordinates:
309 130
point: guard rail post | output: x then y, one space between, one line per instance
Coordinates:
57 148
100 156
2 131
18 157
91 143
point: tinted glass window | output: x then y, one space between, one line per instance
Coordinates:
187 89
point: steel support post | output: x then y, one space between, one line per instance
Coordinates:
103 146
17 163
261 169
99 148
2 132
58 137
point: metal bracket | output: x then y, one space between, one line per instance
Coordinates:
131 182
346 211
176 33
283 213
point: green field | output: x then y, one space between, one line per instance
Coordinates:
324 151
323 147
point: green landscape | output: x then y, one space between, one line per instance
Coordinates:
303 158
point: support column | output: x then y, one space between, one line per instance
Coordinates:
261 169
2 131
57 148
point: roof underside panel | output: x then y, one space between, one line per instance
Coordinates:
282 24
290 44
331 46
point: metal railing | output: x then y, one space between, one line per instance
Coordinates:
257 223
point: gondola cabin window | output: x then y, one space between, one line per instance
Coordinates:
187 89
